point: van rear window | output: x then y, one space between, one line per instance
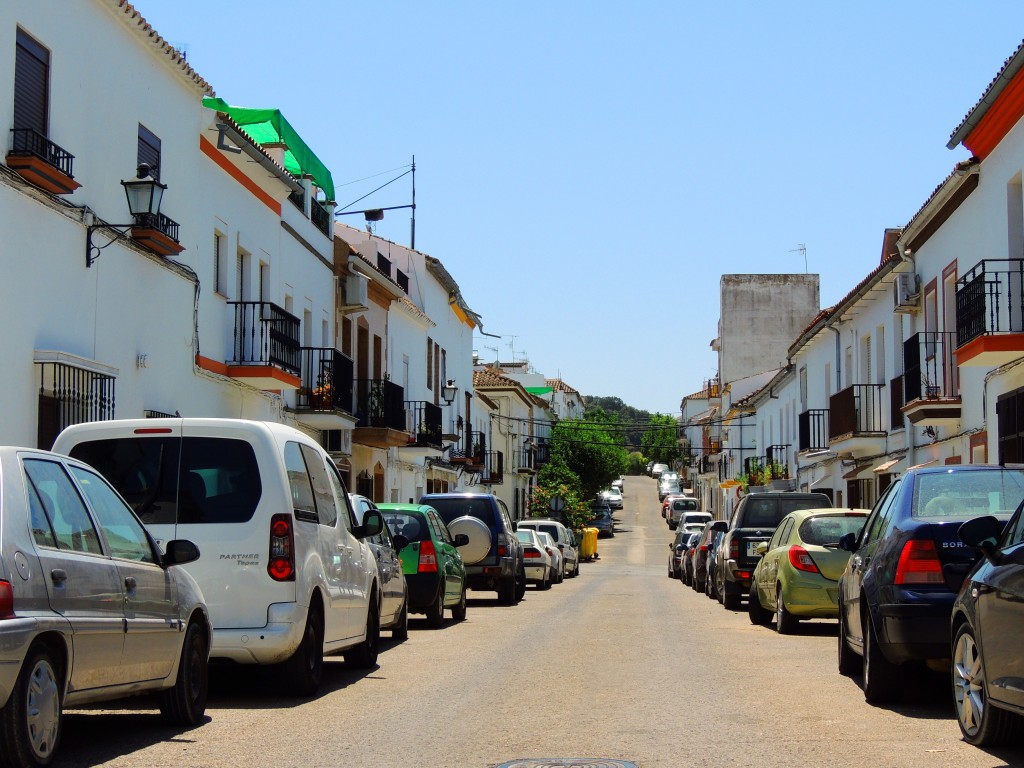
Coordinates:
168 480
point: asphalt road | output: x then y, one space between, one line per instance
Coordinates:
621 663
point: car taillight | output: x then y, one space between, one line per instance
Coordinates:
800 559
703 547
282 549
530 552
550 551
428 558
734 549
502 545
6 600
919 563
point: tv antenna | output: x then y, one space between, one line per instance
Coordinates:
495 351
802 250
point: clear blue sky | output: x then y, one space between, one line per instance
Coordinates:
588 170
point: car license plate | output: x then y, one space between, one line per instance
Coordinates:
752 548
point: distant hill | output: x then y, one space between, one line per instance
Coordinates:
627 414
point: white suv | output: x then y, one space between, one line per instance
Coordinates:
285 570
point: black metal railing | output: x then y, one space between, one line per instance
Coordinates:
494 468
320 217
812 426
423 423
526 459
327 381
778 453
380 403
28 141
471 450
754 463
266 334
70 395
856 410
896 403
298 199
542 453
930 367
159 222
990 299
151 414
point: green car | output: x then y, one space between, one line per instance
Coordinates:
798 574
431 561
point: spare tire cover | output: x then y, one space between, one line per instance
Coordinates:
479 538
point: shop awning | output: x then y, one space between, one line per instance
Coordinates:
858 472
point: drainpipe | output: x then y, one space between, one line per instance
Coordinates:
839 364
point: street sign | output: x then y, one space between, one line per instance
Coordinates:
557 504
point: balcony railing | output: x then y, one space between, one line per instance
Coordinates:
856 410
326 380
778 453
896 403
990 299
320 217
525 459
813 428
159 222
28 141
471 450
712 387
380 403
265 334
494 468
930 369
423 423
542 453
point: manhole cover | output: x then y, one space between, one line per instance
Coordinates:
571 762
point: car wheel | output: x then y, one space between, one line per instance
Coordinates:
881 676
401 630
546 584
435 614
31 721
848 661
459 611
731 600
981 723
520 584
785 622
185 703
364 655
507 591
302 672
758 614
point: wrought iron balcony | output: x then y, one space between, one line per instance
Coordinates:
41 161
812 426
423 424
525 460
265 334
380 404
327 382
494 468
471 451
320 217
990 303
542 453
931 381
856 410
157 232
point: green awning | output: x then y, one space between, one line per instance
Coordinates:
539 390
268 126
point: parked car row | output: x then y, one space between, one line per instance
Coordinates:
932 575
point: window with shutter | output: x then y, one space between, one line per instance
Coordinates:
31 85
149 151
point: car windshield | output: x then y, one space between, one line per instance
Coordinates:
525 536
684 505
460 506
828 529
766 512
411 526
966 494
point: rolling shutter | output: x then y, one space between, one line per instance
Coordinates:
31 83
149 151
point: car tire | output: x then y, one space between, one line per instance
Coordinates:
185 703
785 622
731 600
302 672
401 629
507 591
364 655
520 584
758 614
546 584
30 723
717 589
848 662
459 610
881 676
435 614
981 723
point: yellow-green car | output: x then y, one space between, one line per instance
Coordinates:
798 574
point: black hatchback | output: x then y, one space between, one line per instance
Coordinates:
907 566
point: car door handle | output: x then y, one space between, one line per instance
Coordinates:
129 582
58 576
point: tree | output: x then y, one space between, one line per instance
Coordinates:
660 440
589 449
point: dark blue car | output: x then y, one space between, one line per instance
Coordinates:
907 565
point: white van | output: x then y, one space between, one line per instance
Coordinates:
285 570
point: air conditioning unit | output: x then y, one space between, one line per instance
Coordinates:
906 293
355 293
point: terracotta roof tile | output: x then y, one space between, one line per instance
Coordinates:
985 101
176 57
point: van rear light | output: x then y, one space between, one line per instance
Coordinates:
428 558
282 549
153 431
6 600
919 563
800 559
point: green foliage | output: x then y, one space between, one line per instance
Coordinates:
660 441
633 419
637 463
576 513
589 449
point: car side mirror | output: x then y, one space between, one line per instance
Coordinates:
561 547
983 533
848 542
515 526
179 552
460 540
373 524
720 525
761 548
399 541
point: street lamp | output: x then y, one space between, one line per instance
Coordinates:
449 391
144 195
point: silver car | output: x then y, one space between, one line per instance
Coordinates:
91 610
